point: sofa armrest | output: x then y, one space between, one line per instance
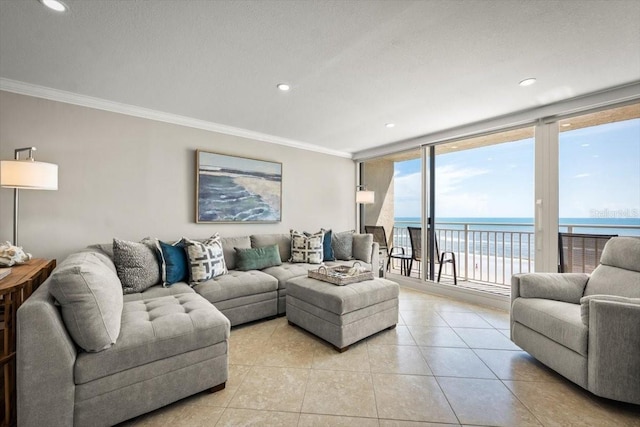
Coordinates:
45 361
375 258
566 287
614 340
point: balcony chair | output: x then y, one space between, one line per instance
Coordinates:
380 237
585 326
580 253
415 235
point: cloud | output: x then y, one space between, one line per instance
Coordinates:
582 175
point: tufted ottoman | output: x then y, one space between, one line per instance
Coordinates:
169 348
342 315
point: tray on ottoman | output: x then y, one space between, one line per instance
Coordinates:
339 275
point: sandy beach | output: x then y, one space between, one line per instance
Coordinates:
268 190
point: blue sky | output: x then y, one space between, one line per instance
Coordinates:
599 172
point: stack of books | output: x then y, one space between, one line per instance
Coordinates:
4 272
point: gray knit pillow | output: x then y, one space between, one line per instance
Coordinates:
136 264
342 244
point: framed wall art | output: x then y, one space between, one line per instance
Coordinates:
237 189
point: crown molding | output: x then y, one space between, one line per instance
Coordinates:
37 91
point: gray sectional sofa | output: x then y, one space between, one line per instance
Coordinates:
585 327
129 354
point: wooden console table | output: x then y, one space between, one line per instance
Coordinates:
14 290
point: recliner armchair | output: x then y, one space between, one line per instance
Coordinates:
585 327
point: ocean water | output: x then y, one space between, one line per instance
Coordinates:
221 199
507 237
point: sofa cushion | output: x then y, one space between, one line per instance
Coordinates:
257 258
174 265
155 329
306 248
556 320
362 244
622 252
160 291
206 259
282 240
90 295
137 264
288 270
236 284
342 244
228 249
567 287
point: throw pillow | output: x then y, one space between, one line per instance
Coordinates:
90 298
327 250
343 245
174 266
257 258
306 249
362 244
136 264
206 259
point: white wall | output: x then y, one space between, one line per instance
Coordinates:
127 177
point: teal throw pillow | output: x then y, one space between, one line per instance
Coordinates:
257 258
175 266
327 254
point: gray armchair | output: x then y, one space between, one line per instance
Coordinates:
585 327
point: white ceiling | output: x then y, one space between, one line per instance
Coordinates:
353 65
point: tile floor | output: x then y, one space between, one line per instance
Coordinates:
447 363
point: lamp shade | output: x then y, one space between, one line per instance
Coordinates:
28 175
365 197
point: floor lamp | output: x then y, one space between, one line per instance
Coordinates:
26 174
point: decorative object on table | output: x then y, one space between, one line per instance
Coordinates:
4 272
341 275
364 196
237 189
26 174
11 255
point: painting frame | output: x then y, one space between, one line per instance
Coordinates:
237 190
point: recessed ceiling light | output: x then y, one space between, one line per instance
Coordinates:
56 5
283 87
389 125
565 125
527 82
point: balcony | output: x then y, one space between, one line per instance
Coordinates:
489 253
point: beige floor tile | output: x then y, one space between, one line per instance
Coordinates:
455 362
315 420
516 365
559 404
245 351
435 336
423 317
340 393
392 359
485 338
412 398
356 358
485 402
197 416
398 423
233 417
292 353
221 398
161 417
505 332
416 305
255 331
497 319
464 320
399 335
454 306
278 389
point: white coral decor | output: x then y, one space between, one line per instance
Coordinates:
10 255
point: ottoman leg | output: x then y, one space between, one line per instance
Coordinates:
217 388
391 327
341 350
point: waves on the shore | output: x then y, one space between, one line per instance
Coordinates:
220 198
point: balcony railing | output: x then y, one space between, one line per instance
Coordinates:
489 252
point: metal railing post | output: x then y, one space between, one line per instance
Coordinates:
466 252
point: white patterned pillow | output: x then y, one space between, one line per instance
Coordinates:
306 248
206 259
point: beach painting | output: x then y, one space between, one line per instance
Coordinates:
237 189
